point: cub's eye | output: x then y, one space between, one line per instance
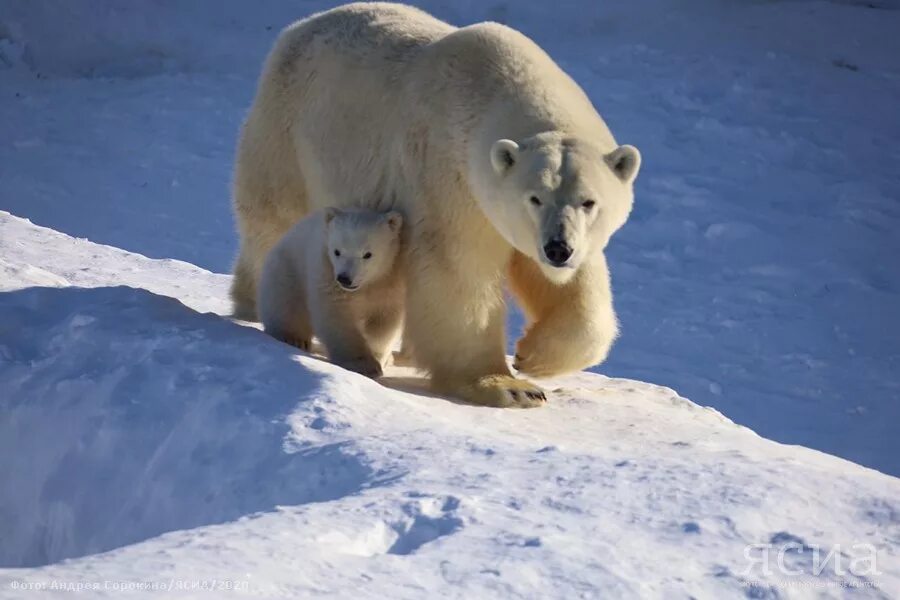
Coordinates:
367 256
588 204
337 252
535 200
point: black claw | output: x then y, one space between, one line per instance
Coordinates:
514 394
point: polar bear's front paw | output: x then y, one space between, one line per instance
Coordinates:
537 361
503 391
543 352
534 365
364 365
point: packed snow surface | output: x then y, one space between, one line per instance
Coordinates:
155 442
150 444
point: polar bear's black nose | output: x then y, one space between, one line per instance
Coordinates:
345 280
557 252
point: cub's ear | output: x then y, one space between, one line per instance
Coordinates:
625 161
331 212
504 154
394 220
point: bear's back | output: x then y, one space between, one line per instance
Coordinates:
363 31
489 65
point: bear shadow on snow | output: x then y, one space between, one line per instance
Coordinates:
127 415
400 375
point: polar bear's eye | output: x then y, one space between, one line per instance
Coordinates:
367 256
588 204
337 252
535 200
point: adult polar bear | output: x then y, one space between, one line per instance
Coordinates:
497 159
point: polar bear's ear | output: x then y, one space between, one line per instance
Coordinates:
625 161
503 155
394 220
330 213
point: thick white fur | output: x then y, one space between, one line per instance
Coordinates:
299 295
384 101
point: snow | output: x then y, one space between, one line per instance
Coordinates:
166 443
147 438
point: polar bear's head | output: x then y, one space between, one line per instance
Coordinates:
557 199
362 245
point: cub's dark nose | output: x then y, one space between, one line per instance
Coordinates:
345 280
557 252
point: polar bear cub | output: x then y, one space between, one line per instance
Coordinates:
335 275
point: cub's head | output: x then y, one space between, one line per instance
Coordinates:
362 245
558 199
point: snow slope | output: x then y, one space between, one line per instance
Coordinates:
757 273
160 447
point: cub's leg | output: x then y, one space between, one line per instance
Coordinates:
382 328
258 238
405 357
281 303
339 331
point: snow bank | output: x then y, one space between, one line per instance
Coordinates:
132 415
155 444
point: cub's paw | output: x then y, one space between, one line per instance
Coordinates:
297 341
302 343
503 391
364 365
403 358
